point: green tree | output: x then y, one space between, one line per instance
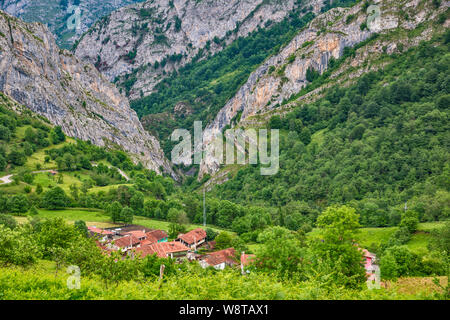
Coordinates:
39 188
55 198
33 211
114 210
54 236
80 225
8 221
57 135
440 244
18 204
137 202
338 226
18 247
175 229
177 216
410 221
126 215
280 252
399 261
224 240
211 234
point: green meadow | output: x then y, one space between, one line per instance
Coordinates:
100 219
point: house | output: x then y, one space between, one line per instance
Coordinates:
139 234
219 259
125 243
193 238
370 265
173 249
159 235
369 259
100 234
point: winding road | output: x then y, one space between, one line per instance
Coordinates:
8 179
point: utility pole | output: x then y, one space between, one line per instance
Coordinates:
204 207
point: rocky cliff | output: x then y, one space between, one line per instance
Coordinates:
149 40
282 76
60 17
70 93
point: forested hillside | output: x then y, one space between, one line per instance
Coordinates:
201 88
380 142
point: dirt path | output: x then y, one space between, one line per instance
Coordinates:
123 174
8 179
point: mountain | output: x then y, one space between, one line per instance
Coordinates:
140 44
70 93
278 85
58 16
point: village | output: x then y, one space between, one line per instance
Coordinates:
139 242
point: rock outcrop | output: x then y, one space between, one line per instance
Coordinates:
146 41
60 17
326 37
70 93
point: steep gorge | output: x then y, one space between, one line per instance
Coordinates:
70 93
276 86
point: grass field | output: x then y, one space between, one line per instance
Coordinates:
369 236
101 219
415 285
39 156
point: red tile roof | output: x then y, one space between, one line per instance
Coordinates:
218 257
158 234
125 241
193 236
100 231
149 240
137 233
162 249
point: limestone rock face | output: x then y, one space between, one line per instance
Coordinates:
60 16
70 93
284 75
134 38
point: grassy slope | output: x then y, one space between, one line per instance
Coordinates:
101 219
369 236
417 244
44 282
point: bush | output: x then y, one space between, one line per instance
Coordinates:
399 261
8 221
17 247
410 221
18 204
55 198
